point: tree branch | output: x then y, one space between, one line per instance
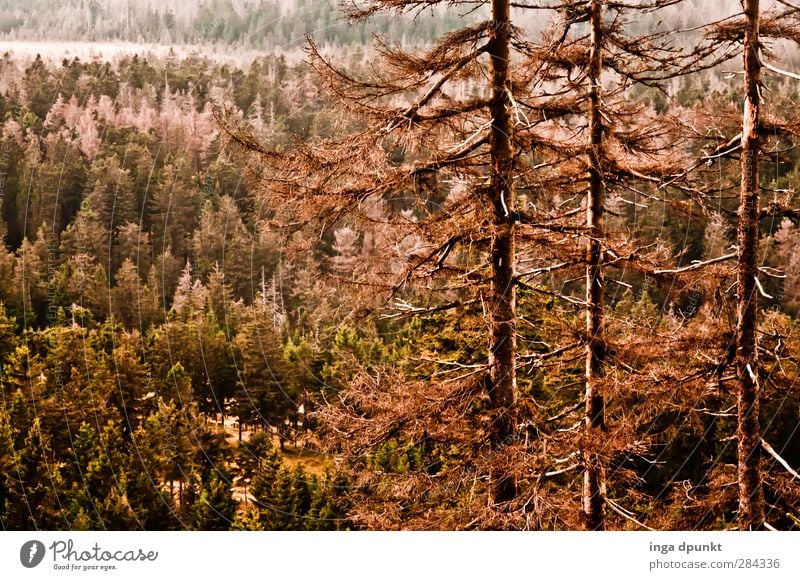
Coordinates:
406 309
768 448
411 112
698 265
777 210
619 510
549 269
785 73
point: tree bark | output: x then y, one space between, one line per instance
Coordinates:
593 477
502 354
751 496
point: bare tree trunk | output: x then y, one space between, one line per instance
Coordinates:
751 495
502 356
593 477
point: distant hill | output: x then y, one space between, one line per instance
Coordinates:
259 24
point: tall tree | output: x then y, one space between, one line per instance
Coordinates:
762 133
751 494
594 479
502 380
602 144
441 180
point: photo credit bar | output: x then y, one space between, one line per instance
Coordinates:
401 555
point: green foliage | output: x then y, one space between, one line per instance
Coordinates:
290 499
214 509
394 456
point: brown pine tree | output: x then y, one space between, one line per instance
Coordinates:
502 378
609 145
436 166
593 477
760 130
751 494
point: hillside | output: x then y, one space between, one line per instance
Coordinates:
261 24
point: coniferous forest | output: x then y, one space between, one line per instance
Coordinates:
416 265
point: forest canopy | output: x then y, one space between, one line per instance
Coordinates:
488 269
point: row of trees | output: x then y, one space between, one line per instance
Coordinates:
122 182
109 484
490 206
255 24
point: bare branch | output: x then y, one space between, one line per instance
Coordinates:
785 73
761 289
768 448
625 514
698 265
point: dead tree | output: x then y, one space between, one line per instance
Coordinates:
763 134
751 495
594 480
502 377
448 115
624 147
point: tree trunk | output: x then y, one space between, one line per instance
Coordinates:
593 477
502 355
751 496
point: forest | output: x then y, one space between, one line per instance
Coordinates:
465 265
259 24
